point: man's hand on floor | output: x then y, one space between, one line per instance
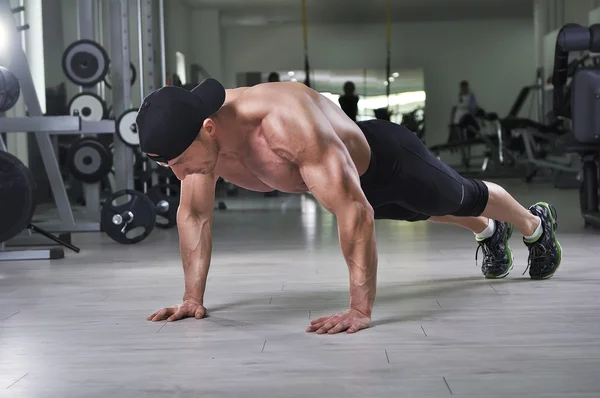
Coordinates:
187 309
350 321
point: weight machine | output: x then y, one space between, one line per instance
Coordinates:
584 109
85 63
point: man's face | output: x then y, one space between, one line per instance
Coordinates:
198 158
464 89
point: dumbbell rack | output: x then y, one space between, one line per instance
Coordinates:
44 126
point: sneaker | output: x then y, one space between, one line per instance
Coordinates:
497 255
545 253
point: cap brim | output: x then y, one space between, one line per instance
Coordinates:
212 94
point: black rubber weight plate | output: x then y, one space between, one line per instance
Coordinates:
17 189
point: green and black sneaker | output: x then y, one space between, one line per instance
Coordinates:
545 253
497 255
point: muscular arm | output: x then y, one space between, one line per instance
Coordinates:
330 174
194 222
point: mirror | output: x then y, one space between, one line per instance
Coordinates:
406 101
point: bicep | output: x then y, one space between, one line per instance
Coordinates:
198 195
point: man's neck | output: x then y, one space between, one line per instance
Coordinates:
231 135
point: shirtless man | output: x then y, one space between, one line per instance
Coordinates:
286 136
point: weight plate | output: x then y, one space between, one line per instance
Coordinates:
108 77
88 106
123 202
166 201
10 90
16 196
85 63
88 160
127 128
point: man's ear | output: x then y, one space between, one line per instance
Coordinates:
209 126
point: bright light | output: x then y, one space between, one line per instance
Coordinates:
180 66
294 80
396 74
3 38
332 97
411 98
391 79
385 83
291 73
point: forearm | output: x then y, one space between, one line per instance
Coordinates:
196 249
357 238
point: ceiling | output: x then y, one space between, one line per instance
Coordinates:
261 12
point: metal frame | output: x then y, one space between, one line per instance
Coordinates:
87 30
19 65
121 87
163 50
43 127
147 76
554 163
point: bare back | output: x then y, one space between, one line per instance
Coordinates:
252 164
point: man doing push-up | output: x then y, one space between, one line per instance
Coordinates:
288 137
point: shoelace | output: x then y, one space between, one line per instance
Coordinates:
487 254
538 254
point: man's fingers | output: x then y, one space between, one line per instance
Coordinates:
200 313
162 314
325 328
151 316
176 316
320 320
353 329
340 327
316 326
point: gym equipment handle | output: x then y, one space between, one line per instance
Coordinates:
52 237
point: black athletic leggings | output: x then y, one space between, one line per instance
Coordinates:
405 181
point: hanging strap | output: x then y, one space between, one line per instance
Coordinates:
305 40
388 70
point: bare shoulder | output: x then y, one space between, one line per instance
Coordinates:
297 133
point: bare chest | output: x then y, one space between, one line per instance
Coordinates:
260 169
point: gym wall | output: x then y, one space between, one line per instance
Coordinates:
178 26
206 47
496 56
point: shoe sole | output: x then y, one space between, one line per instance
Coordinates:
554 218
509 231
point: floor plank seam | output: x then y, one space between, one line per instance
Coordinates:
10 316
161 328
448 385
493 287
309 312
263 348
438 303
270 300
387 356
21 378
423 329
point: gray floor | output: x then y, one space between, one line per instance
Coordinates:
76 327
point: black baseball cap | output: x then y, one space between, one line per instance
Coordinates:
171 117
